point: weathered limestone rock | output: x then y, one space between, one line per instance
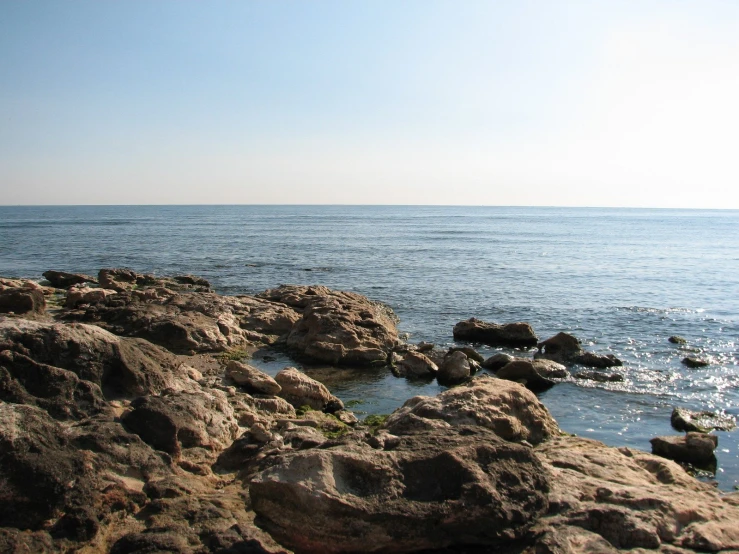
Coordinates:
693 448
252 379
415 364
22 301
180 420
695 363
433 489
506 408
470 352
497 361
609 500
536 375
455 369
63 280
336 327
590 359
702 422
87 295
300 390
493 334
565 349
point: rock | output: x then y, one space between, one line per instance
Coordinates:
565 349
506 408
455 369
433 489
605 499
181 420
470 352
336 327
63 280
425 346
496 361
599 377
702 422
415 364
119 366
86 295
22 301
252 379
60 392
536 375
492 334
693 448
694 363
677 340
300 390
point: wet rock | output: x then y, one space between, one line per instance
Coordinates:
119 366
493 334
455 369
599 377
433 489
60 392
536 375
470 352
693 448
415 364
602 361
695 363
701 422
497 361
300 390
610 500
336 327
87 295
677 340
22 301
252 379
63 280
565 349
181 420
507 408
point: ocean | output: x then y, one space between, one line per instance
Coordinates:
621 280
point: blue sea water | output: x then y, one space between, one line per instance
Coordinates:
622 280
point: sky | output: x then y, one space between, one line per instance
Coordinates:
524 103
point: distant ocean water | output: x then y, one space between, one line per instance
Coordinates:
622 280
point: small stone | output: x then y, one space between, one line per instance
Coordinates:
675 339
694 363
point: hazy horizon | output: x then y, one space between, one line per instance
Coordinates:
531 103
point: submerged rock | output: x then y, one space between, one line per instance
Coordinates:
493 334
434 489
677 340
566 349
599 377
536 375
695 363
702 422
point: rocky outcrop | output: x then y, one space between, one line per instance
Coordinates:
693 448
433 489
121 280
493 334
338 328
702 422
565 349
300 390
506 408
536 375
63 280
252 379
87 295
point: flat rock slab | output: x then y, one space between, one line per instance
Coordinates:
693 448
493 334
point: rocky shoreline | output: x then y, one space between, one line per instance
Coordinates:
131 421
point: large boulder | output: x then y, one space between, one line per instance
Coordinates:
119 366
337 327
536 375
493 334
63 280
438 488
693 447
506 408
455 369
300 390
612 500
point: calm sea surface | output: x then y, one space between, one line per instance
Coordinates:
623 281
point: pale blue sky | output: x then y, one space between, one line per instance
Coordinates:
415 102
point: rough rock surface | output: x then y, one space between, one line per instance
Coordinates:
695 363
252 379
536 375
300 390
702 422
506 408
565 349
497 361
694 448
415 364
22 301
455 369
433 489
63 280
87 295
493 334
338 328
